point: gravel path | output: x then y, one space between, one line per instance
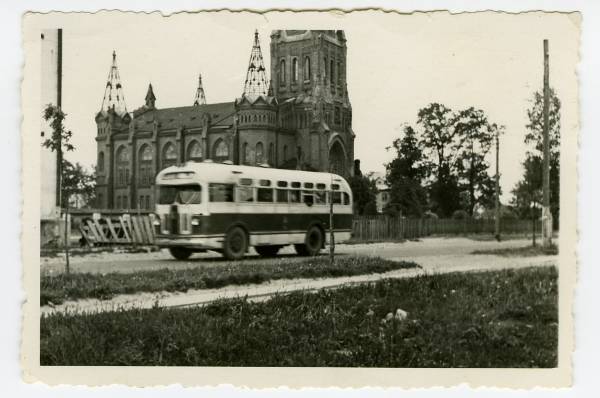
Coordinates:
434 255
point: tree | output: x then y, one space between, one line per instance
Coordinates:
364 192
59 142
476 139
531 184
79 185
456 144
405 175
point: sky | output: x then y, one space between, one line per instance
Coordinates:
396 65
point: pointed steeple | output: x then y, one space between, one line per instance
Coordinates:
200 98
150 97
113 93
256 83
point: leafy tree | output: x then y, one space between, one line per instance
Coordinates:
364 192
531 185
78 185
476 140
59 141
405 175
456 144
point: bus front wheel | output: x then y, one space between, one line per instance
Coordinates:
236 244
180 253
313 242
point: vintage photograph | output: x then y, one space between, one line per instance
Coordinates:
384 191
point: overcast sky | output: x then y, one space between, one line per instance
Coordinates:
397 64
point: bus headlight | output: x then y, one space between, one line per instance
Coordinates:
156 222
195 221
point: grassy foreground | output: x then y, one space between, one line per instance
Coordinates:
58 288
492 319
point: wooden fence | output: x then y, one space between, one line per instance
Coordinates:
111 227
385 228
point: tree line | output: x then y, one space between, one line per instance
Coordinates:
442 167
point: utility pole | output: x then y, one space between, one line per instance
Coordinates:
331 234
546 214
497 208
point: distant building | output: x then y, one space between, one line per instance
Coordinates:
301 119
382 199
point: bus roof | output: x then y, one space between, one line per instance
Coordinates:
222 172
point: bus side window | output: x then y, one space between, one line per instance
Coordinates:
245 194
337 198
308 198
220 192
320 197
264 195
346 198
282 195
294 196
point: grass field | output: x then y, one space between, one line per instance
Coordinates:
525 251
58 288
489 319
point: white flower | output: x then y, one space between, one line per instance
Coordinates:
400 315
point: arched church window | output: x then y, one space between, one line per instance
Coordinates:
169 155
100 165
282 71
271 154
122 165
145 165
326 74
221 151
331 72
294 70
246 154
194 151
259 153
339 73
306 68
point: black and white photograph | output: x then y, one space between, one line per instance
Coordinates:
338 192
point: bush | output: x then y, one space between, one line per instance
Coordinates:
460 215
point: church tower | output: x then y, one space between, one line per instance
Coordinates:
111 120
200 98
309 71
256 140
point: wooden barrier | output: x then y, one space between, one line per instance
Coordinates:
385 228
116 229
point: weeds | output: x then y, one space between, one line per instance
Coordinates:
525 251
489 319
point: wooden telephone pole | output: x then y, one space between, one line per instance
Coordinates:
546 214
497 188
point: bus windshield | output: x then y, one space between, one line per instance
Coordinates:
180 194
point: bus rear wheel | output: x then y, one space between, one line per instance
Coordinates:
236 244
313 242
267 251
180 253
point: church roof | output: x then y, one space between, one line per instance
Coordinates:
221 114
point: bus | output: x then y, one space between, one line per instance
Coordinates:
229 208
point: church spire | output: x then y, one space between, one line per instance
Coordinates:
113 93
150 97
256 78
200 98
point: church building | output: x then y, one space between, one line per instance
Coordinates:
299 119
